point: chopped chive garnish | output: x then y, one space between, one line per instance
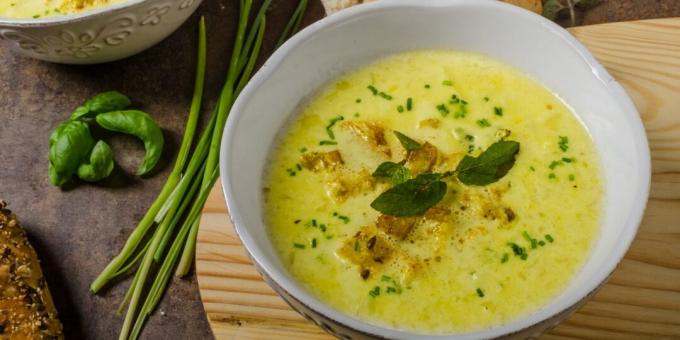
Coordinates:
385 95
356 246
568 160
447 83
297 221
505 258
358 100
299 246
335 213
291 172
480 293
552 175
385 278
314 243
549 238
328 142
373 90
322 227
554 164
470 138
443 109
400 108
498 111
532 168
454 99
427 86
303 150
533 241
483 123
541 243
563 143
375 292
330 125
572 177
36 16
409 104
313 223
298 167
356 114
486 99
391 290
518 251
344 219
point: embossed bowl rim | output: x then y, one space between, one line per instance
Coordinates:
70 18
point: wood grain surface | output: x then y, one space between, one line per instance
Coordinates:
642 298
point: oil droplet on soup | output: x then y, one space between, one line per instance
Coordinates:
483 255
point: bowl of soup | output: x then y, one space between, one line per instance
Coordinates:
88 31
435 169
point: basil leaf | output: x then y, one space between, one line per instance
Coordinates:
101 103
490 166
100 165
408 143
140 125
394 171
70 145
412 197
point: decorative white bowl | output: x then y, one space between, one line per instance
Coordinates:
97 36
360 35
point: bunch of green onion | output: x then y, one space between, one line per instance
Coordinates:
165 239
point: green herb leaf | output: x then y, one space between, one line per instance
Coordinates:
101 103
394 171
408 143
551 8
140 125
490 166
412 197
70 145
100 164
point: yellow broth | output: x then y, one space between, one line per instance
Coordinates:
484 255
24 9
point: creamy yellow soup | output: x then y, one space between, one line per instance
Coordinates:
22 9
483 255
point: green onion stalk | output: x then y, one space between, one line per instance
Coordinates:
165 239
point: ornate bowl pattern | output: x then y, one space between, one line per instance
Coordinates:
97 36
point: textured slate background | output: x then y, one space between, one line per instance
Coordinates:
76 231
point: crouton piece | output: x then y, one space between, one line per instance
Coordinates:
317 161
422 159
367 249
344 184
371 133
399 227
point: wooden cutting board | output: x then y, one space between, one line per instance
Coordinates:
642 298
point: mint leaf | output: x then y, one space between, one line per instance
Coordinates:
412 197
394 171
408 143
490 166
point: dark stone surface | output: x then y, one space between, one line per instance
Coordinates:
76 231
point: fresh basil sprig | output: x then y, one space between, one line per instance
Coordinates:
412 197
415 196
100 164
407 142
396 172
140 125
101 103
490 166
70 145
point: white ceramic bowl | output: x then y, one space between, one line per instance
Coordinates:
97 36
360 35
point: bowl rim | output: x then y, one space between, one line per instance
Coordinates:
58 20
276 274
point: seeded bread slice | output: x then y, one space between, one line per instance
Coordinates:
26 307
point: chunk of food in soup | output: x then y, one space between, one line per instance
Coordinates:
23 9
483 254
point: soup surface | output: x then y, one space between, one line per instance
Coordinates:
484 254
22 9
